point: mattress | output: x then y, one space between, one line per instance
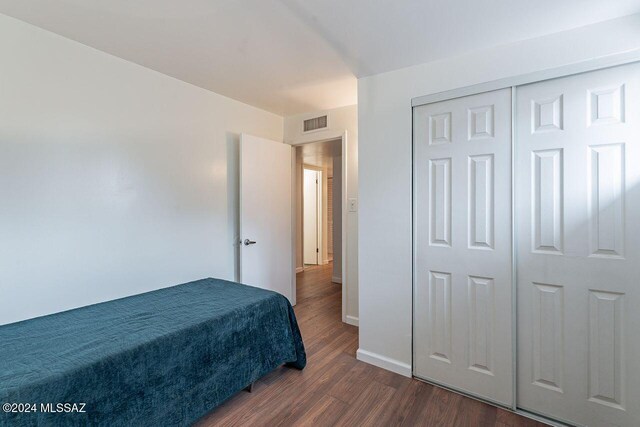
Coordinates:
165 357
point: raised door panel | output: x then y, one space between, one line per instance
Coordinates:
606 349
440 128
440 202
481 189
606 199
440 316
548 336
546 200
481 324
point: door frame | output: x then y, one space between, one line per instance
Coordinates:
320 216
325 136
600 63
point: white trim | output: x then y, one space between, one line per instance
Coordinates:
413 244
344 207
352 320
384 362
606 61
294 290
299 270
541 418
322 136
514 257
335 279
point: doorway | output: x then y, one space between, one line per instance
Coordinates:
319 209
314 218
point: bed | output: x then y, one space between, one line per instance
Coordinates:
165 357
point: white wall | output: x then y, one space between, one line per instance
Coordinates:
114 179
340 119
384 106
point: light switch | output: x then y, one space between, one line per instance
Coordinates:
353 205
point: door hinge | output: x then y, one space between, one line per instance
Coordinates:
316 181
317 250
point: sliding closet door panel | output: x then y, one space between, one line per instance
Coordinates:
578 231
462 219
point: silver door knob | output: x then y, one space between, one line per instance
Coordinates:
248 242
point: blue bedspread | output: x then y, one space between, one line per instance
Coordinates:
165 357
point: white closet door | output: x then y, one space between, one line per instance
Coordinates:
578 232
462 226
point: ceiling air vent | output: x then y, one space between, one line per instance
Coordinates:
315 123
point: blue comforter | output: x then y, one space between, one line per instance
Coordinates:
165 357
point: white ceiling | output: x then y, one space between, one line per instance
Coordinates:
294 56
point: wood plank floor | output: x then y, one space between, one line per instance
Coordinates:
337 390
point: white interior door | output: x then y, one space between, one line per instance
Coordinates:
462 226
310 217
265 214
578 232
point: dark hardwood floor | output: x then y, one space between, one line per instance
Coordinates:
336 389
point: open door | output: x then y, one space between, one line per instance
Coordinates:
311 217
265 215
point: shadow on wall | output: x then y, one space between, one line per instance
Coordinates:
233 201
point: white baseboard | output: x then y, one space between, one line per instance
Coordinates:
336 280
299 269
384 362
352 320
